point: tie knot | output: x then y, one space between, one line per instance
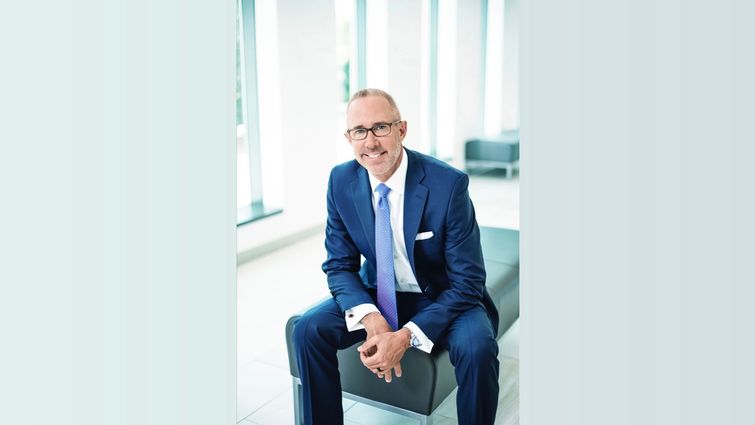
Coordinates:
383 190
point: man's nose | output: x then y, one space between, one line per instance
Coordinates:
371 140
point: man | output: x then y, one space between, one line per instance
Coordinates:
422 283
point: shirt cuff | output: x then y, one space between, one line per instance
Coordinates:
355 315
424 342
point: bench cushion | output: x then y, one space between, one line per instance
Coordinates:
501 148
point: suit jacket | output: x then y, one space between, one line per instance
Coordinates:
448 266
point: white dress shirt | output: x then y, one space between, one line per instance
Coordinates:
405 280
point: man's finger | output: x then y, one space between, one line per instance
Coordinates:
364 347
388 376
368 361
369 345
372 361
397 368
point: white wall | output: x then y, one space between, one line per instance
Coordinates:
502 75
404 74
469 95
403 58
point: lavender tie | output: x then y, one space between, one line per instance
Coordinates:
386 277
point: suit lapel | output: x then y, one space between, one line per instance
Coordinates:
414 203
362 196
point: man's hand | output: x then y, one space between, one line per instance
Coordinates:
375 324
383 352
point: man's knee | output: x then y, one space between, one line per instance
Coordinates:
310 329
478 351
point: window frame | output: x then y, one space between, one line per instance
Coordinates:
250 113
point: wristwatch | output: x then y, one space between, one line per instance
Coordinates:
413 340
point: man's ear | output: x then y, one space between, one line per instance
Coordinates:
402 130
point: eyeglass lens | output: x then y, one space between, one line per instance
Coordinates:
379 130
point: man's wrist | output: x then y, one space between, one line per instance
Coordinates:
407 336
370 318
414 340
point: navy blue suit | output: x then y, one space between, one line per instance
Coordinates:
454 309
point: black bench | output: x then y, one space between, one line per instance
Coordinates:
419 393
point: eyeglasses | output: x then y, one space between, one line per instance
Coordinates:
379 130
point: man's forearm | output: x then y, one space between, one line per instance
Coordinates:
435 318
371 319
347 288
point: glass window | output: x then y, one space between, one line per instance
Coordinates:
243 184
438 70
268 98
347 40
256 85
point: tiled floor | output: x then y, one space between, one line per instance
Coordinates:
270 290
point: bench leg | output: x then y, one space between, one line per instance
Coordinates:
298 414
298 420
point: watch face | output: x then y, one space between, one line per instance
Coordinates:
415 341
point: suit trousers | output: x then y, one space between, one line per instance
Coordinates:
470 341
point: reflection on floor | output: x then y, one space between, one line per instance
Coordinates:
270 290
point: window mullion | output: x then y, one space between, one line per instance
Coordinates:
251 103
433 79
361 44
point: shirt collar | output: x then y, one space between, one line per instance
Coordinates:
397 181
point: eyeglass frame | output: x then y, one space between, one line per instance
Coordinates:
372 129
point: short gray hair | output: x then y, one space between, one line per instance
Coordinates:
375 92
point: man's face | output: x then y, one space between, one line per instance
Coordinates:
381 156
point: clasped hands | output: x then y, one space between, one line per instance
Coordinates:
383 349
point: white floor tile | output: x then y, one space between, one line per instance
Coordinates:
443 420
270 290
348 404
258 384
448 407
496 200
275 356
363 414
279 411
508 397
509 343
